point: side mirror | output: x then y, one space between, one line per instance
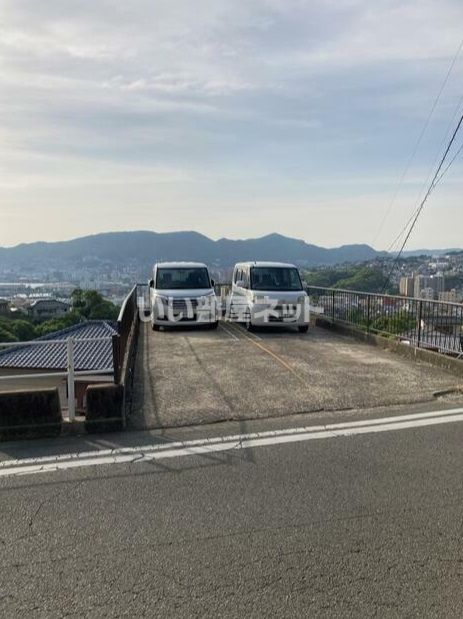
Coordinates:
240 283
151 283
305 286
212 283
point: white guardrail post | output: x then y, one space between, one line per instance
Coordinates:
71 388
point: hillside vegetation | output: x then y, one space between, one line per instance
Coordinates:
86 305
364 279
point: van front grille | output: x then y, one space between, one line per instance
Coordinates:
184 305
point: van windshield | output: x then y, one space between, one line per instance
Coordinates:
182 278
275 278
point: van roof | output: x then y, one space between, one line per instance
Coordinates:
180 265
265 264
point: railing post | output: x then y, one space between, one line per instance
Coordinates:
117 358
368 312
332 305
420 314
71 386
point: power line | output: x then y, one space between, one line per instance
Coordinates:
423 202
443 173
449 165
436 159
418 142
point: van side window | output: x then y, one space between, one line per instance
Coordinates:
245 278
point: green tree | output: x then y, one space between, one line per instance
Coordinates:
23 330
90 304
86 305
57 324
400 322
6 336
365 279
361 278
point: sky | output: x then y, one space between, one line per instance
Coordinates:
234 118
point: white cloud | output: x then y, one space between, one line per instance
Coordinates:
279 90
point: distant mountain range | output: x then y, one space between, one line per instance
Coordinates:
429 252
146 247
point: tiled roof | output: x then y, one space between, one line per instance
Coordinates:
87 355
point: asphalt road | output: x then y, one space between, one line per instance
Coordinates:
345 526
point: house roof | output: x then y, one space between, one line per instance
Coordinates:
87 355
48 302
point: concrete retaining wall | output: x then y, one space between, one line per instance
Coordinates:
30 414
104 408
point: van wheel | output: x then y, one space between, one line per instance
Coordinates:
155 327
303 328
248 323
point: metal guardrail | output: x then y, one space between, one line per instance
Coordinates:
423 323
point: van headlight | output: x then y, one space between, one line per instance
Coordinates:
207 301
207 298
160 300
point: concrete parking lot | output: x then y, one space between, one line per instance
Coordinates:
188 376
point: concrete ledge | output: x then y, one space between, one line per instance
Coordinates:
455 366
104 411
30 414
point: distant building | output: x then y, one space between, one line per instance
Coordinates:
48 308
427 293
450 296
426 283
4 307
407 286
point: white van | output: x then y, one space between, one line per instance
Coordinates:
269 294
182 293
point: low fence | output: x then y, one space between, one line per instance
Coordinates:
70 373
107 400
423 323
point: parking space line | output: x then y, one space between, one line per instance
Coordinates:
229 332
239 330
272 354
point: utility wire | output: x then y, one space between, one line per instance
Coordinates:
425 184
418 142
423 202
438 180
449 165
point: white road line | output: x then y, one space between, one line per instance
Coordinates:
197 447
254 335
232 335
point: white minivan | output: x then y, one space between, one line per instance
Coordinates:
269 294
182 293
